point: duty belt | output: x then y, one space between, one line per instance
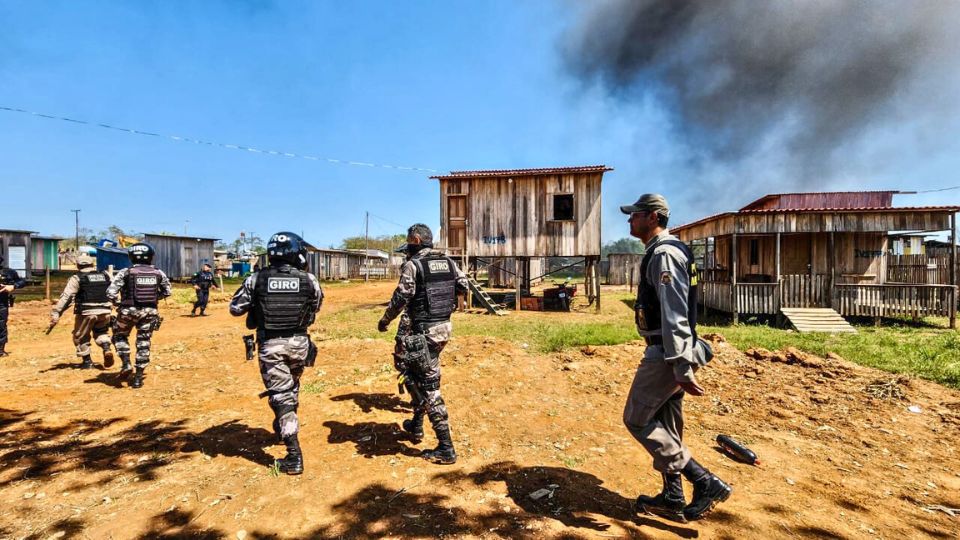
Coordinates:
273 334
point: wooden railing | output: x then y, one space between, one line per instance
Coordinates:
914 301
716 295
804 291
758 298
861 300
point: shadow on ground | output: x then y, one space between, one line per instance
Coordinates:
380 401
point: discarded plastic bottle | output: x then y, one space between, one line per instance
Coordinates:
737 450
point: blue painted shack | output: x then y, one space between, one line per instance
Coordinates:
107 256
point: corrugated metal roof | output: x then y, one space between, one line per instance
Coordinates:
504 173
897 209
823 199
189 237
853 209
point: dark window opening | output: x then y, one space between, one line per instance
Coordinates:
563 207
754 252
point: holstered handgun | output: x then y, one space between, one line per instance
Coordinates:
250 344
311 354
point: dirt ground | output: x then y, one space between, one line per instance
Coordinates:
189 454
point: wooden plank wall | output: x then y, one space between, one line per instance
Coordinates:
624 268
513 218
10 238
921 269
169 255
857 254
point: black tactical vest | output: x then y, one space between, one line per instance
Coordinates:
93 290
436 296
204 279
647 307
283 300
142 287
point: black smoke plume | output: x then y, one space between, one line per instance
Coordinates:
803 78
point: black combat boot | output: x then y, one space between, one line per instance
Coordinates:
292 463
669 503
414 427
137 381
87 362
708 491
444 454
124 363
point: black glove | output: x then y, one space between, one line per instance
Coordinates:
382 325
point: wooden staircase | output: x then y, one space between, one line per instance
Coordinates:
817 320
485 299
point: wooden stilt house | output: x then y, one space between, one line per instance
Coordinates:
826 250
522 214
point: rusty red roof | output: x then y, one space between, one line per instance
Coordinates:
824 199
504 173
897 209
852 209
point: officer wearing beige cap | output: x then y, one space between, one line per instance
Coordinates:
665 315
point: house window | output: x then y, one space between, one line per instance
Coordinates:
563 207
754 252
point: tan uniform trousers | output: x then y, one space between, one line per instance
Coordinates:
654 412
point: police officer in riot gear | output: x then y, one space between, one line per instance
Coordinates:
281 302
665 315
426 296
202 281
138 290
92 310
9 281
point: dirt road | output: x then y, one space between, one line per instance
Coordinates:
189 454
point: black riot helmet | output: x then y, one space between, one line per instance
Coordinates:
141 253
287 248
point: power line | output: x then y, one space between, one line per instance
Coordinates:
387 220
179 138
937 190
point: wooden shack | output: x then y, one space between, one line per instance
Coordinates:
45 253
492 215
16 247
181 256
830 250
624 268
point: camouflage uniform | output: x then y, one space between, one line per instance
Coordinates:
282 359
144 319
425 397
91 318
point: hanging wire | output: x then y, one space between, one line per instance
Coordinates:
255 150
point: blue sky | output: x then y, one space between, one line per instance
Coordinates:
442 85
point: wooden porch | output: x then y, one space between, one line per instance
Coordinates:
823 250
850 300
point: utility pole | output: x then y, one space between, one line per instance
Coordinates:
366 248
76 214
